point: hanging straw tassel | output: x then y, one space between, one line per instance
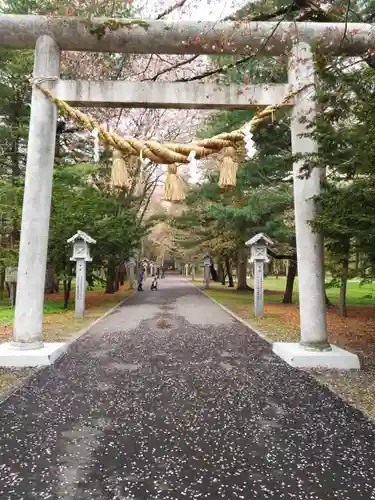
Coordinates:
139 186
174 188
142 166
95 134
119 174
228 167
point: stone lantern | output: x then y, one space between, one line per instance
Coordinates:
259 256
81 254
207 265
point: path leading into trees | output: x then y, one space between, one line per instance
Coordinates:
171 398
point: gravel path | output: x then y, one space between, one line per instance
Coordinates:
169 397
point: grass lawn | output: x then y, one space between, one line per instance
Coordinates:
355 333
50 307
356 292
58 325
54 303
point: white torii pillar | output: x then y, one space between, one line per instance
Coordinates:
313 349
27 348
310 245
36 207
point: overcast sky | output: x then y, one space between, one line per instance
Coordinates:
207 10
194 10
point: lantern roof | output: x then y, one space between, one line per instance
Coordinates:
80 235
259 238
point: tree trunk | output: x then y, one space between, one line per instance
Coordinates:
13 293
229 272
110 277
90 278
67 290
357 261
213 273
242 270
50 283
328 302
220 271
122 277
292 271
2 283
344 279
117 280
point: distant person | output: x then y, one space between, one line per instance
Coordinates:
158 272
140 280
154 284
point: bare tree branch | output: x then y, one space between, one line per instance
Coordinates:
175 6
263 17
346 22
310 10
294 6
237 63
216 71
171 68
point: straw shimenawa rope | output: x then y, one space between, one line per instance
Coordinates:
167 153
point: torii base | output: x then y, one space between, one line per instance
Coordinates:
337 359
13 357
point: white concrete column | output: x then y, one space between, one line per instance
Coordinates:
80 288
310 249
207 276
258 288
36 208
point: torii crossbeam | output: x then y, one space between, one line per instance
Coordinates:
184 37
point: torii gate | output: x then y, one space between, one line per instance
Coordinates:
49 36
